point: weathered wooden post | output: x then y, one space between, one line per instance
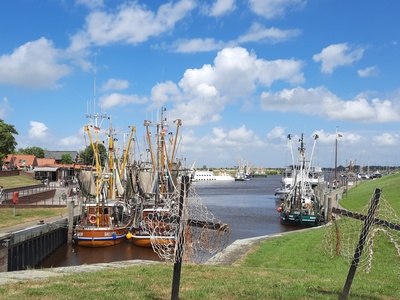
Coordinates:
180 240
328 206
369 220
70 220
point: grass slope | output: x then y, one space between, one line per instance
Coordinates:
9 182
24 215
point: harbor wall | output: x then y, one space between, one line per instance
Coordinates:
331 199
28 247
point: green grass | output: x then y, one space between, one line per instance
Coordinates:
9 182
359 196
23 215
293 266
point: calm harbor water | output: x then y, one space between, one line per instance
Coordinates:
249 207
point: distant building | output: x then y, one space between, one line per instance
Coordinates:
49 168
43 162
20 162
56 155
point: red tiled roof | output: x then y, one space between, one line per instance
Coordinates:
24 160
41 162
8 158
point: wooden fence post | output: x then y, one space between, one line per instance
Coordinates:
369 220
180 241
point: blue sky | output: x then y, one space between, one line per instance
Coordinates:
241 75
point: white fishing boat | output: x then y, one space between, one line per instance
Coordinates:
302 206
243 172
314 175
287 181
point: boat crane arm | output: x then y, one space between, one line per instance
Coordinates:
312 152
291 148
148 135
133 129
178 124
94 147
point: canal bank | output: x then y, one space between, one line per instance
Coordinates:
239 248
234 252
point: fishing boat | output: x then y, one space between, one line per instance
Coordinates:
157 179
243 171
302 206
106 215
287 181
315 175
154 228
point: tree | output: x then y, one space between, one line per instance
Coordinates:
87 155
7 139
37 151
66 159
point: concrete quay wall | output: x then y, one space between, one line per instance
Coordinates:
27 247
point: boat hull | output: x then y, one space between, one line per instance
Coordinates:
145 240
301 220
99 237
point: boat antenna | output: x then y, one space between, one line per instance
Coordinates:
95 116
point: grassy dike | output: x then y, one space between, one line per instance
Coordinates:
292 266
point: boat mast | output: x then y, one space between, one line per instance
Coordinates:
147 123
162 156
336 154
111 189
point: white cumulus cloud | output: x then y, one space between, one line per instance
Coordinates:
337 55
330 106
115 84
35 64
37 131
196 45
368 72
132 23
115 99
270 9
257 32
203 93
221 7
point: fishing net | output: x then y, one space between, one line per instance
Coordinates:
343 235
189 231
